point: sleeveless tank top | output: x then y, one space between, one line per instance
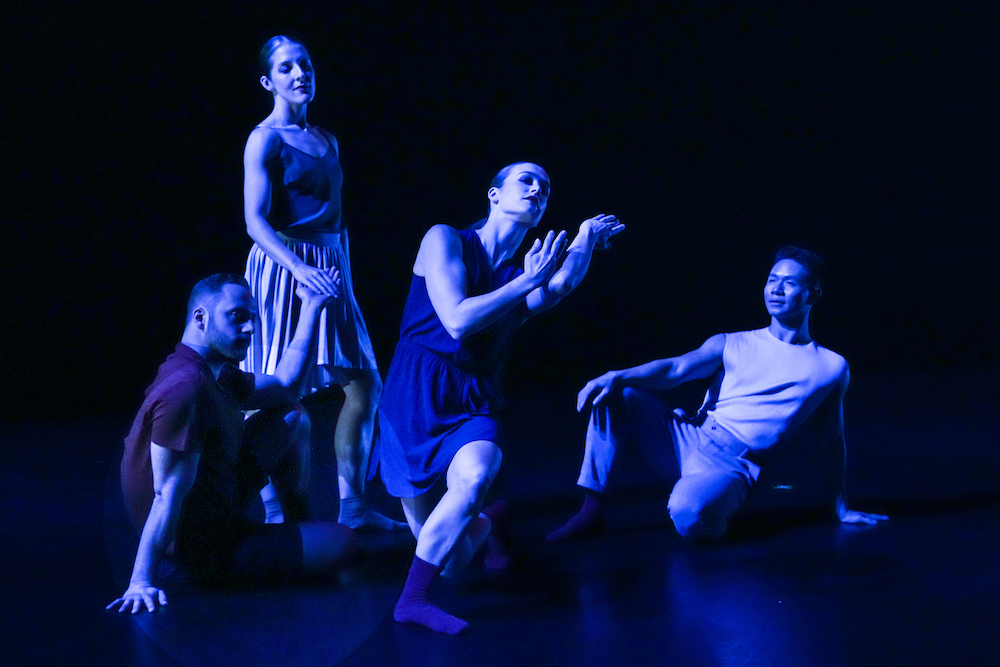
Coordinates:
767 387
483 353
305 191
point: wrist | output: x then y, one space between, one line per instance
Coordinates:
528 282
310 310
586 235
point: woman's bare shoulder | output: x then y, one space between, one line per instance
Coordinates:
264 141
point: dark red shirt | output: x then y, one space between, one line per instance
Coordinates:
187 410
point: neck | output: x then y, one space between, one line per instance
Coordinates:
792 330
501 236
287 114
214 360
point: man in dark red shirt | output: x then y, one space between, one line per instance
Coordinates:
191 462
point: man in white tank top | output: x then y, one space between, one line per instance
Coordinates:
775 394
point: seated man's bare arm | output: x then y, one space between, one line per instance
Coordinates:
173 476
836 460
659 374
295 367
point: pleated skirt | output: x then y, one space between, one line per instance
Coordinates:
344 342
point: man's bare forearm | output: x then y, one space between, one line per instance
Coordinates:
157 534
298 359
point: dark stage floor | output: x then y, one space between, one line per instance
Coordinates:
923 589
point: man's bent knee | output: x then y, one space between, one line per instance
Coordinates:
631 395
694 517
298 422
694 523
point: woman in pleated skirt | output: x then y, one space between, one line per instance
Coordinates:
292 207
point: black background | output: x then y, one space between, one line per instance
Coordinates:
867 133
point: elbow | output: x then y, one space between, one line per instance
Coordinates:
676 372
456 332
455 327
253 229
561 285
167 499
255 224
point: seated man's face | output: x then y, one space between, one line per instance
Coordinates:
786 292
231 322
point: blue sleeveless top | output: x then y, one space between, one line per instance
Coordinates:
483 353
305 190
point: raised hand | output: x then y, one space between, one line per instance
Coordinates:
322 281
139 596
319 298
597 390
542 258
602 227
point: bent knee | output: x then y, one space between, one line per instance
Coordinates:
631 394
693 519
473 475
298 420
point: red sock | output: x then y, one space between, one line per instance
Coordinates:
413 606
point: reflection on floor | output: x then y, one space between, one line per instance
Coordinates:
793 589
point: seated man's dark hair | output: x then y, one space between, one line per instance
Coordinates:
213 285
808 259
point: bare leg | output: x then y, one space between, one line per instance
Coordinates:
352 439
468 479
352 442
467 546
417 509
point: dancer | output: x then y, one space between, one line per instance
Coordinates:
291 192
776 395
191 461
436 422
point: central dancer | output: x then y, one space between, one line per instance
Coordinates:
436 419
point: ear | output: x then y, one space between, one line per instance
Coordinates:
814 295
200 317
266 83
492 194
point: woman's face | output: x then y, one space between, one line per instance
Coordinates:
292 76
524 192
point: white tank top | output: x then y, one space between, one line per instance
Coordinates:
767 388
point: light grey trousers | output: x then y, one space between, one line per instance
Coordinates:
713 477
